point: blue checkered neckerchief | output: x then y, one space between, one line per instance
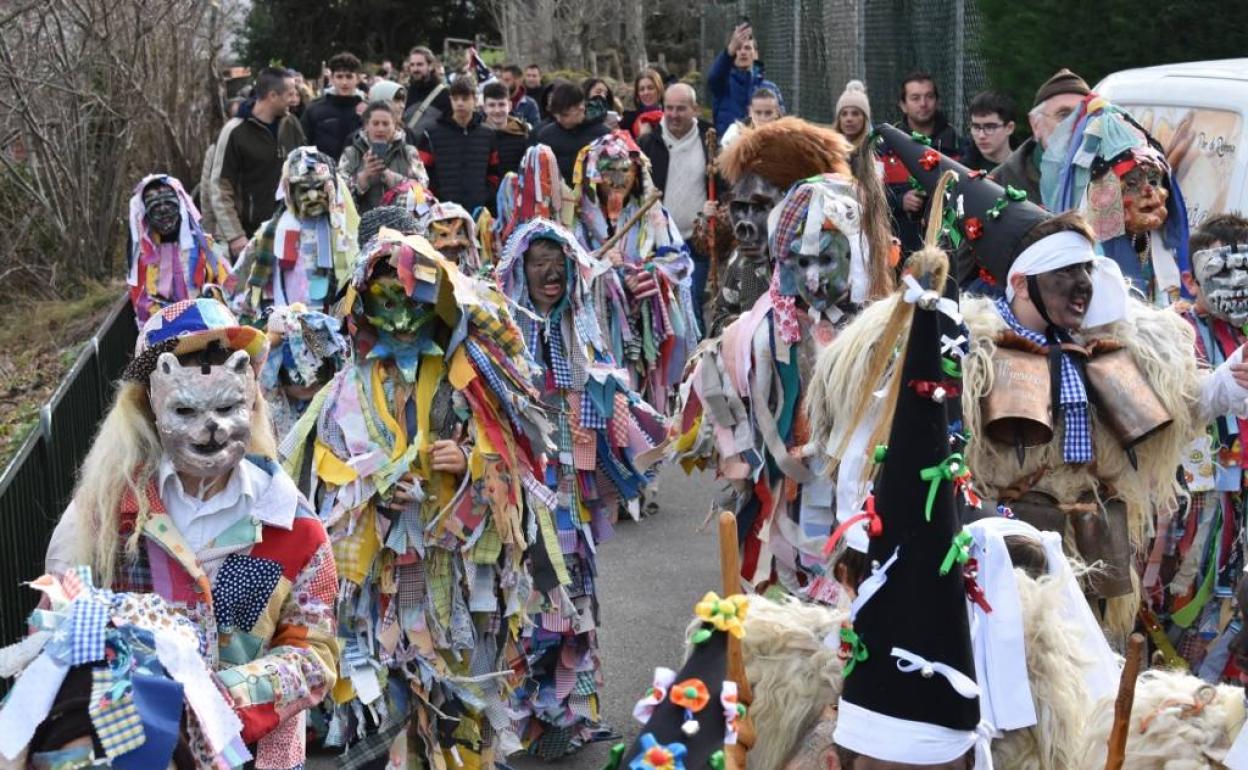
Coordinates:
1077 443
554 342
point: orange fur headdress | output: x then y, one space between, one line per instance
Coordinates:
786 151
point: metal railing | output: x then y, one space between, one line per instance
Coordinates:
39 480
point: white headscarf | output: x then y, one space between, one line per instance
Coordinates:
1053 252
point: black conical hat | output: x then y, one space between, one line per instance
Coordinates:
987 241
917 609
708 662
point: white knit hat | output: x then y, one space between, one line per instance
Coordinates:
855 95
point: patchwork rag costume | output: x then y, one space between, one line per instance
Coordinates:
742 404
122 670
306 251
250 566
654 333
534 191
306 349
607 437
171 257
1197 556
438 570
1102 163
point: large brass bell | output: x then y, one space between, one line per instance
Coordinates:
1017 411
1125 400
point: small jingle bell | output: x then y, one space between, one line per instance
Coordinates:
929 300
690 728
927 672
938 395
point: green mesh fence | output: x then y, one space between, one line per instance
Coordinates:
811 48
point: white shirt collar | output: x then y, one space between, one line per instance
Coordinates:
265 496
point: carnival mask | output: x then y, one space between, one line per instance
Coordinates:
1144 198
203 412
1222 273
1066 294
752 200
450 238
546 273
310 184
619 177
821 280
388 308
162 209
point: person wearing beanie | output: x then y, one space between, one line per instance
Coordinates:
853 113
1055 101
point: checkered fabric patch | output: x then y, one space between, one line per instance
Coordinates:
117 722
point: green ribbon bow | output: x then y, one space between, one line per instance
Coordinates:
880 452
998 207
857 651
949 227
947 470
959 552
914 184
950 367
614 758
921 138
716 760
1015 194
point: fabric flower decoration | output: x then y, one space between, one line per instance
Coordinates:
663 678
733 710
930 159
656 756
726 615
973 227
691 694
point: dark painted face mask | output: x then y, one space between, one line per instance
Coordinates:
162 210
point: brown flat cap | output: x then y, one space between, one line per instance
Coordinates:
1063 82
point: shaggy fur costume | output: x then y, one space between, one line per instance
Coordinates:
1159 341
1164 732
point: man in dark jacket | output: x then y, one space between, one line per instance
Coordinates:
1057 98
569 131
512 133
460 152
920 108
427 95
522 105
733 77
248 157
536 90
678 165
331 121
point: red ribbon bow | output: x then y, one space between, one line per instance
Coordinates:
973 227
930 159
928 388
875 526
970 574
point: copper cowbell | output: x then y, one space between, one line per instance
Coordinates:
1125 400
1017 411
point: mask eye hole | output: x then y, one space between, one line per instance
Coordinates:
184 411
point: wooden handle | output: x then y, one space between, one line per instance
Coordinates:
646 205
1122 705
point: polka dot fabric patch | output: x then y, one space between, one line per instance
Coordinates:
243 588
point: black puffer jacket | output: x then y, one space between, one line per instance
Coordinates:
567 144
330 122
512 142
462 161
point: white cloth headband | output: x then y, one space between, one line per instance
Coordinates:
1053 252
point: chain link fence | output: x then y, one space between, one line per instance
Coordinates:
811 48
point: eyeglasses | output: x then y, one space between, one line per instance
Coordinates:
986 128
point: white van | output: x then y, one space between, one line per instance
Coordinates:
1199 113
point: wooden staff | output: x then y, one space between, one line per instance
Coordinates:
712 150
645 206
1122 706
730 572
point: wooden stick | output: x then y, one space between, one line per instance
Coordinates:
1122 706
712 150
730 574
646 205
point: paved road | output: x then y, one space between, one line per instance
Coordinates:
650 576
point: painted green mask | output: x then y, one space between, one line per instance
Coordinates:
821 280
388 308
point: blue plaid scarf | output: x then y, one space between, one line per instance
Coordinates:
1077 443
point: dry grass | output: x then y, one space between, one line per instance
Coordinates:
39 342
